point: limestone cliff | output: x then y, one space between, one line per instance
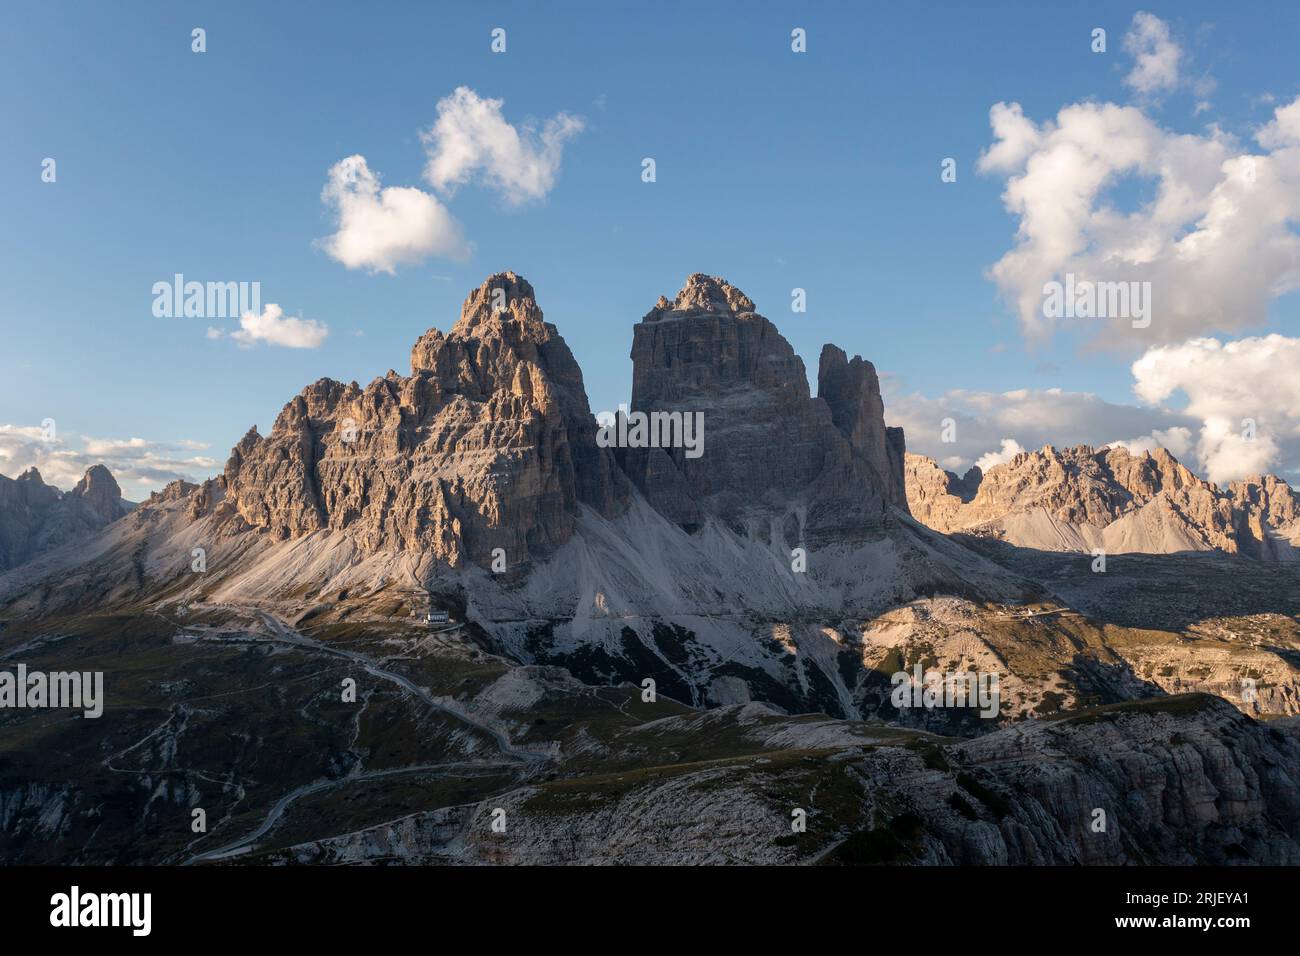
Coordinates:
775 459
489 443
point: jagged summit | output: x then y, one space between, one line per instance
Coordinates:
513 293
852 390
488 444
701 293
99 490
35 517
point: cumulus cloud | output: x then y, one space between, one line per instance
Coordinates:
1246 394
1216 240
1015 138
272 327
140 466
471 138
1178 441
1010 448
382 228
1283 131
993 426
1156 57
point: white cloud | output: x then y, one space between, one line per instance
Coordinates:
1216 239
272 327
1178 441
1283 130
1155 54
1225 385
1010 448
382 228
139 465
1015 138
471 137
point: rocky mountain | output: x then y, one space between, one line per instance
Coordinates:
488 444
1080 499
814 470
36 517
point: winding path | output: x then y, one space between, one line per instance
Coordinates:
526 762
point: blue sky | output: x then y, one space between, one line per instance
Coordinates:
774 169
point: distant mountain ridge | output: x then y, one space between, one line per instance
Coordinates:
36 517
1084 498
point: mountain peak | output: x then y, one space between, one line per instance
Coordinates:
98 485
851 388
702 293
503 311
501 294
35 517
488 445
709 355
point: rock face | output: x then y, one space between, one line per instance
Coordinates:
1076 499
488 443
852 390
934 496
36 517
1182 781
774 459
1268 513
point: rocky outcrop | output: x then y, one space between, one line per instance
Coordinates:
852 390
36 517
1078 499
1175 781
488 444
775 461
1268 513
935 497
